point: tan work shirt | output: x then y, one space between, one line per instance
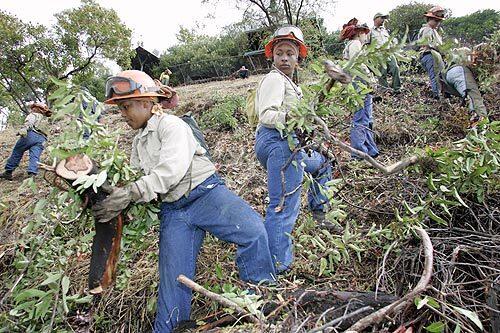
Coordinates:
276 95
379 35
38 122
432 36
352 48
173 161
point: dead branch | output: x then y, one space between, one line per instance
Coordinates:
377 316
218 298
387 170
340 319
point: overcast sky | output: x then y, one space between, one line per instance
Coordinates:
155 23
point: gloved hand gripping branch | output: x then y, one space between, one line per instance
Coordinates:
117 200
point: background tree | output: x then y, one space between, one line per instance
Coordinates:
272 13
410 15
473 28
199 56
75 46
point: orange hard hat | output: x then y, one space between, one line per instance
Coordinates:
290 32
130 84
436 12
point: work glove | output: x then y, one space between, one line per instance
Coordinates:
117 200
23 132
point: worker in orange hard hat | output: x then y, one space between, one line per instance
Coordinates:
33 135
276 97
179 172
430 58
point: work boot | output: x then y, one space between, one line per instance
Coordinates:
7 175
321 220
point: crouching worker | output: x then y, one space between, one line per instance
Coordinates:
194 198
458 80
32 138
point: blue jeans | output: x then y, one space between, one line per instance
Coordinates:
361 129
427 62
273 153
33 142
208 207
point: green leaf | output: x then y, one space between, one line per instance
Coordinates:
51 278
457 329
65 284
471 315
457 196
29 293
323 263
435 218
436 327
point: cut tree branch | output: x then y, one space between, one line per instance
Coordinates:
377 316
218 298
337 74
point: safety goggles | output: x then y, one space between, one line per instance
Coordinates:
118 85
289 30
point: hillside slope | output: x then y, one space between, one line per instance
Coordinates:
373 254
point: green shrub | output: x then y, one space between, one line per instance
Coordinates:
222 115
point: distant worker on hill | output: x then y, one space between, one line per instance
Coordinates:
32 138
362 121
430 57
165 77
379 36
243 72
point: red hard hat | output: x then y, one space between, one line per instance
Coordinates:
292 33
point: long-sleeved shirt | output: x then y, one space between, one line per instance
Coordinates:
432 36
352 48
379 35
171 158
276 96
37 122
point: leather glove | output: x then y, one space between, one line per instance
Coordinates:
117 200
23 132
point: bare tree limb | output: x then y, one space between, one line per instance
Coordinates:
377 316
340 319
218 298
393 168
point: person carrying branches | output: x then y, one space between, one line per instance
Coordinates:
277 94
430 57
32 138
362 121
194 199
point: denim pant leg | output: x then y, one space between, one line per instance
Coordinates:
179 247
427 62
321 170
273 153
359 129
35 150
17 154
229 218
370 141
